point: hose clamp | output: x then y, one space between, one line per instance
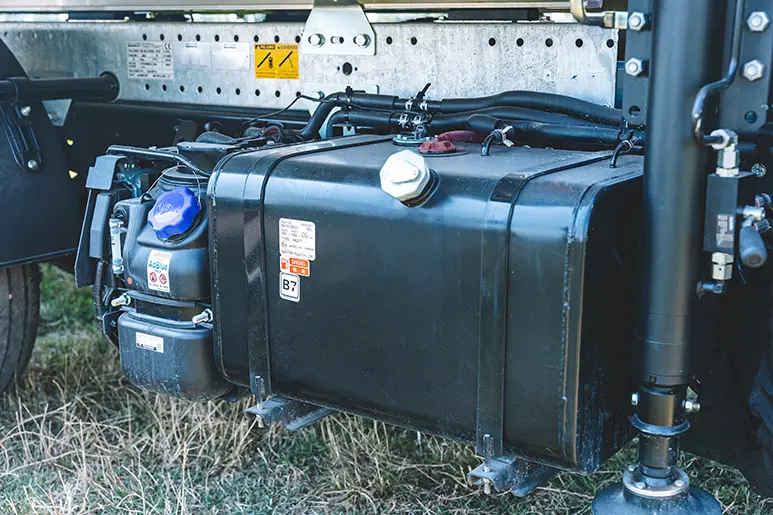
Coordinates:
503 135
403 120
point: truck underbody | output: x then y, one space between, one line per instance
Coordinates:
536 232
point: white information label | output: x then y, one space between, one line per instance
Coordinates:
158 270
290 287
230 56
192 54
150 342
297 238
150 60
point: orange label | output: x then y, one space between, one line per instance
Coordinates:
295 266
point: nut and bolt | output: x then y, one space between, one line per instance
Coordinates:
753 70
632 468
679 483
25 111
122 300
691 406
635 67
637 21
634 399
759 170
758 21
317 39
362 40
640 485
32 164
203 317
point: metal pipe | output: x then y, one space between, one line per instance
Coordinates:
103 88
675 167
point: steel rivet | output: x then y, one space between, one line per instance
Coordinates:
32 164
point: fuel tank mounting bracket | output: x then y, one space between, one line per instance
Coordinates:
338 27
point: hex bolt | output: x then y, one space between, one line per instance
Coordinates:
632 468
759 170
637 21
362 40
121 300
203 317
32 164
753 70
640 485
634 399
635 67
758 21
679 483
317 39
691 406
25 110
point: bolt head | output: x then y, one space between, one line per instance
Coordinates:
759 169
679 483
640 485
635 67
32 164
758 21
317 40
637 21
753 70
362 40
634 399
25 111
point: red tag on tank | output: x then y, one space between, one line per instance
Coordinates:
295 266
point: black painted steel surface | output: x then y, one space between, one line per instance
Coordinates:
499 306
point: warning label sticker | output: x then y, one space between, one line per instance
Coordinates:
149 60
276 61
158 270
298 239
150 342
290 287
295 266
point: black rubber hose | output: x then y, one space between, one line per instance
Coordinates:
163 155
533 100
552 133
459 120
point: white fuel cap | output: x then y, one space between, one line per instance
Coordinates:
404 175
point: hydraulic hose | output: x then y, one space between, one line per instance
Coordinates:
536 106
533 100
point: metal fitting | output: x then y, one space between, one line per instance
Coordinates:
634 399
32 164
728 137
727 162
203 317
635 67
25 111
759 170
691 406
362 40
753 70
758 21
637 21
721 266
753 214
317 39
121 300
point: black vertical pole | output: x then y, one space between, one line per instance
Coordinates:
687 53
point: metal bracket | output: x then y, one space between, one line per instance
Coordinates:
17 122
290 413
744 106
508 473
606 19
338 27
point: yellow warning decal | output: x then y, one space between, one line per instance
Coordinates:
276 61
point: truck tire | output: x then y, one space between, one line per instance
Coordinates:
19 319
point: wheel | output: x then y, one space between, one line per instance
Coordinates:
19 319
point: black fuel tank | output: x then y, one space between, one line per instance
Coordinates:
500 305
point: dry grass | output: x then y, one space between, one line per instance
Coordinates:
77 438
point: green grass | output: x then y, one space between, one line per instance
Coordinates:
76 437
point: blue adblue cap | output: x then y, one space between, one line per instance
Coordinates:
174 213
